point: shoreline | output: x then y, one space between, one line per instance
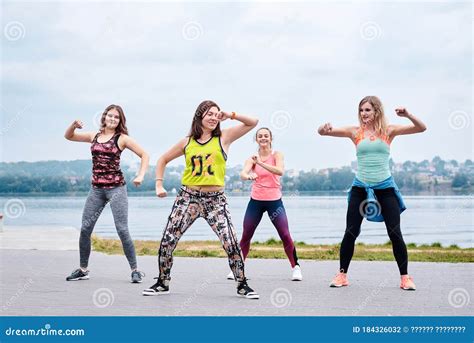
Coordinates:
286 194
273 249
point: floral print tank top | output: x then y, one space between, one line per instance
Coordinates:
106 172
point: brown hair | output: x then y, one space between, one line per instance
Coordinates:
380 123
122 126
201 111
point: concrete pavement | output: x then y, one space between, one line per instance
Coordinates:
33 283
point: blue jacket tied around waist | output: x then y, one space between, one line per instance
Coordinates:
372 210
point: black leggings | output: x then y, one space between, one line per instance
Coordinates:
388 202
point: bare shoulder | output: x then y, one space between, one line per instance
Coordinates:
183 142
354 129
249 160
123 141
278 154
91 135
179 148
354 133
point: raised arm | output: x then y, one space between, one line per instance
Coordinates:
397 130
278 169
246 173
346 131
232 134
127 142
176 151
72 135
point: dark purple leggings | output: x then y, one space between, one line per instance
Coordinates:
277 215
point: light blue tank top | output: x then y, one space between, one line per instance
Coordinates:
373 157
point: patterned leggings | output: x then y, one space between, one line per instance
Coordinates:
188 206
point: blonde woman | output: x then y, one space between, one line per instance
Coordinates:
374 193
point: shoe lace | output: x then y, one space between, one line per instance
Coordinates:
158 282
78 271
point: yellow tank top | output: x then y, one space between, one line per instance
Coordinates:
205 163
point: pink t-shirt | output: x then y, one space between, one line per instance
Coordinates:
267 185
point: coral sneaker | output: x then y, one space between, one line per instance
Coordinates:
339 280
407 283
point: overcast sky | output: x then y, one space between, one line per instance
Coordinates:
294 66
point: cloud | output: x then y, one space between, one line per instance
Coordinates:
312 60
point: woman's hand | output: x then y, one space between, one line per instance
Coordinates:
402 112
252 176
223 115
160 192
325 129
74 136
138 180
77 124
256 159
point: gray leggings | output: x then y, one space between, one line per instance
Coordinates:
95 203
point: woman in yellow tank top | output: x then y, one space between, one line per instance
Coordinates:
202 194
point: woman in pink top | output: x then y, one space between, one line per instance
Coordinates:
265 170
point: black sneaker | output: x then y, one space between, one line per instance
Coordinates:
78 274
243 290
160 287
137 276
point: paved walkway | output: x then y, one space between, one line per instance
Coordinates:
33 283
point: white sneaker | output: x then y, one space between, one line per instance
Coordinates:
297 276
230 276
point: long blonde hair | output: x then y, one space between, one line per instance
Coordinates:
380 123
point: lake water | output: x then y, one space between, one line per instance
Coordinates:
313 219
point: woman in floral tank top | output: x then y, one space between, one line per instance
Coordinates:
108 184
